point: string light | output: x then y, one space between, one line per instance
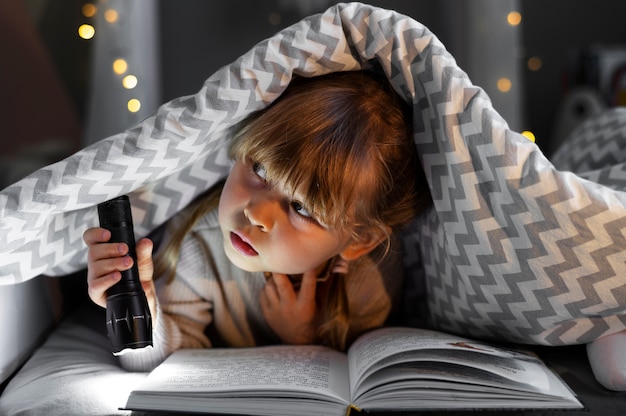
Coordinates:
504 85
86 31
129 82
111 15
89 10
119 65
529 135
534 63
514 18
134 105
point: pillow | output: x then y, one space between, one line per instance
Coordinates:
72 373
28 312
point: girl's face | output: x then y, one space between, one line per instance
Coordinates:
265 229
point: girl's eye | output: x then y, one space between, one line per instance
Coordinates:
301 210
259 170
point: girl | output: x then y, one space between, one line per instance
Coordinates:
296 245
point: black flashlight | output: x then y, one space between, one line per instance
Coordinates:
128 319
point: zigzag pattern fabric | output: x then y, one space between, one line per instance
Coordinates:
512 247
596 149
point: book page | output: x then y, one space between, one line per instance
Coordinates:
390 346
283 368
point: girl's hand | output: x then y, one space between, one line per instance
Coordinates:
106 260
291 315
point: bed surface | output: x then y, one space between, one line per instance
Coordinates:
73 373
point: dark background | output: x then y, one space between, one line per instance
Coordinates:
199 36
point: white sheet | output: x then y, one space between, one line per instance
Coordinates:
73 373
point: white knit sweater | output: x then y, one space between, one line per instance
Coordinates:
212 303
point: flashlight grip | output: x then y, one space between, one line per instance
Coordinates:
115 216
129 323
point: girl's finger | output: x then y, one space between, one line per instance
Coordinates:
98 287
105 266
145 265
283 285
106 251
269 290
308 287
96 235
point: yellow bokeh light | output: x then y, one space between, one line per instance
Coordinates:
89 10
120 66
86 31
134 105
534 63
129 82
514 18
504 85
111 15
529 135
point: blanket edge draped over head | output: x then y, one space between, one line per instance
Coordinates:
512 248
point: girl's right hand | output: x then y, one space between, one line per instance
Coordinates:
106 260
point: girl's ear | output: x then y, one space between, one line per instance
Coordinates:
359 248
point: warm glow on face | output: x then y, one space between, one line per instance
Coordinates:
514 18
134 105
504 85
86 31
129 82
120 66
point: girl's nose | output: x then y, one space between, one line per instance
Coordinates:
261 212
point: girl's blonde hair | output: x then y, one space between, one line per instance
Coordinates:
343 142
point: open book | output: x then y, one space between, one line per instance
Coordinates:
386 370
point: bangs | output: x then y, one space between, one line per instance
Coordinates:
315 164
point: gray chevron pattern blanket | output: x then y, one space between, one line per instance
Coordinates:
513 248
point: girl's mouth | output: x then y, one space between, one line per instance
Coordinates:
242 246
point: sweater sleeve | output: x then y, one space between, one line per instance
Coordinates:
184 310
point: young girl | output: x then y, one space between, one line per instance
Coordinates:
296 245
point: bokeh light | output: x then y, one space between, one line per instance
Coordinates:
120 66
134 105
504 85
89 10
529 135
129 82
514 18
534 63
111 15
86 31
